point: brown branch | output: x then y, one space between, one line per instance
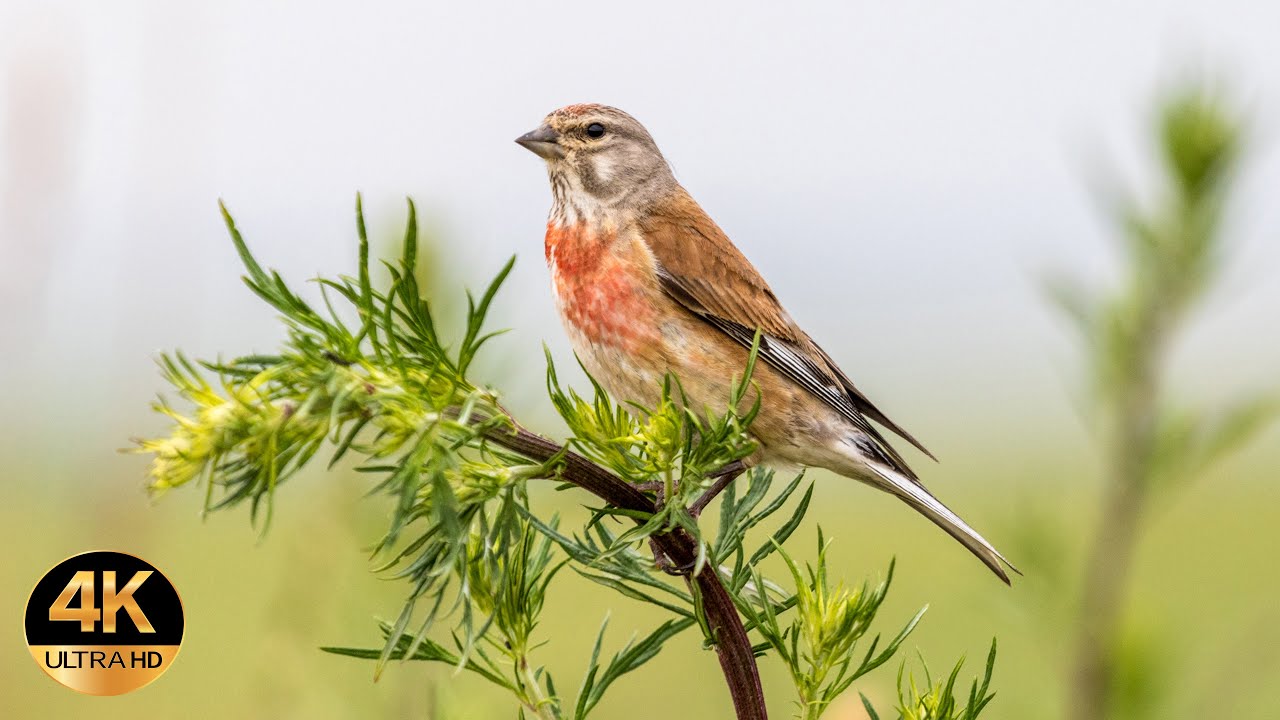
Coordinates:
724 477
733 647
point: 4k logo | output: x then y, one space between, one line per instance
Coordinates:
104 623
88 615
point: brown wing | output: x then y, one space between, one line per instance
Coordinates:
720 285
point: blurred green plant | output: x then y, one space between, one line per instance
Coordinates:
1172 256
475 555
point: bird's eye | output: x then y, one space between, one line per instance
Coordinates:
595 131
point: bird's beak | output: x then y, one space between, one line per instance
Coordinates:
543 142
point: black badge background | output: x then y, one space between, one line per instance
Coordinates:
157 598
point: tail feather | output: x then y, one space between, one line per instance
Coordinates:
926 504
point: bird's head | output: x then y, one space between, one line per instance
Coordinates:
598 156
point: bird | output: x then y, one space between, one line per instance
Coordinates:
648 286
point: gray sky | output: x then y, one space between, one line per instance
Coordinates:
901 172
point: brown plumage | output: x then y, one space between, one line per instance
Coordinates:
720 285
648 284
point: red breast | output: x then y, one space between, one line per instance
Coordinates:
604 286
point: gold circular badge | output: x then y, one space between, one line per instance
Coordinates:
104 623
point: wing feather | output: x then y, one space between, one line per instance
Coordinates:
718 284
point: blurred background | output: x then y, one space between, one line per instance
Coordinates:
905 174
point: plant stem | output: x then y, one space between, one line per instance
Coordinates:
1104 590
534 698
733 646
1111 558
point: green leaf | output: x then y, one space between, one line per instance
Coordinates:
866 705
427 650
630 658
784 532
1237 426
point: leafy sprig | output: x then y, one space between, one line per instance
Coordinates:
938 701
818 644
